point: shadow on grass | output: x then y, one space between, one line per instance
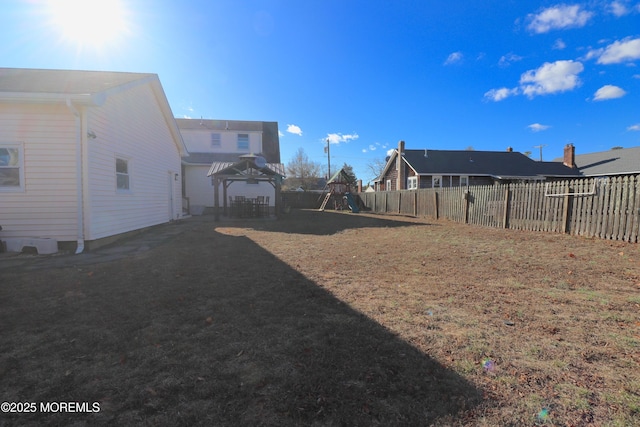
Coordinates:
210 330
308 221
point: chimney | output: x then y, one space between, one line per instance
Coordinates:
400 166
359 186
569 158
509 150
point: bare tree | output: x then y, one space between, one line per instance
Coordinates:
302 171
375 168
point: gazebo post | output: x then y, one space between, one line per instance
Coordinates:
224 198
277 195
216 196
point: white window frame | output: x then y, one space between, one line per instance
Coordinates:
239 142
438 179
412 183
21 185
466 180
387 186
128 162
216 140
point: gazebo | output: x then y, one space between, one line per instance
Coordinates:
251 168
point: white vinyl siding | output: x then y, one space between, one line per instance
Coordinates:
199 141
46 205
151 153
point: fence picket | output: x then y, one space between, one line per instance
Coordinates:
636 209
624 208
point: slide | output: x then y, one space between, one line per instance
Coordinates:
352 203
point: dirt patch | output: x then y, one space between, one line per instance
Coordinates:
332 319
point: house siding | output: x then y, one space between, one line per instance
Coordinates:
198 186
199 141
131 126
48 205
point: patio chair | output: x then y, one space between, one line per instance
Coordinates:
260 206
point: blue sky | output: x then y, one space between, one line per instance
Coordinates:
486 74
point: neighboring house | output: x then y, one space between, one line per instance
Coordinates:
413 169
216 144
86 155
617 161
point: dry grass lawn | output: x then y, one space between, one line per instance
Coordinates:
332 319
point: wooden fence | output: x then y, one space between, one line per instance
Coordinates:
607 208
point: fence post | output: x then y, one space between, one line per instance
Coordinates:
415 203
399 202
466 196
435 204
505 214
565 209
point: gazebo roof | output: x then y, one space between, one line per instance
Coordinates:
248 167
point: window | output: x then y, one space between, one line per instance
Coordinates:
388 185
412 183
436 181
11 167
243 142
122 174
464 181
215 140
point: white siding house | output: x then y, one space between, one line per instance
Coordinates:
86 155
224 141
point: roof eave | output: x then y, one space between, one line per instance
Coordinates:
88 99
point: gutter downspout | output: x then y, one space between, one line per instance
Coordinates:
79 180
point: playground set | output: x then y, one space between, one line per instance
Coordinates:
339 192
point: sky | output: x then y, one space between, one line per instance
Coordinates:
364 74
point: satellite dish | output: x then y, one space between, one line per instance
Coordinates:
260 162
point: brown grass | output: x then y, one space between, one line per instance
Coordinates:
332 319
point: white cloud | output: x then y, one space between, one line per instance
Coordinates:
551 77
500 94
454 58
337 138
635 127
280 134
294 130
537 127
558 17
390 151
371 147
618 51
608 92
559 44
507 59
618 8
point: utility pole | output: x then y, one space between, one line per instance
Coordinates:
328 151
540 147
